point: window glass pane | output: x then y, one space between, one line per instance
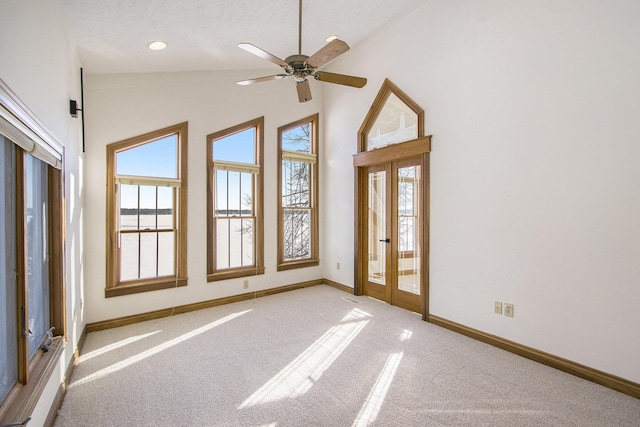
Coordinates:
246 185
234 192
37 251
166 254
377 232
297 234
148 217
221 193
396 123
222 243
165 207
239 147
247 227
8 314
148 207
408 229
129 256
233 195
148 255
407 209
295 184
158 158
234 242
297 139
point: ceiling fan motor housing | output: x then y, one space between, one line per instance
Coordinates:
297 62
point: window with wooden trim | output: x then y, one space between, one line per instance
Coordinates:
147 212
298 194
31 279
235 201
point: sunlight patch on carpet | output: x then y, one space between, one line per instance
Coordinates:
154 350
116 345
405 335
369 411
299 376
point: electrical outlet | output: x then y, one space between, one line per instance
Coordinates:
508 309
497 308
245 284
337 266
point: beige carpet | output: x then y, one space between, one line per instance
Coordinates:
320 357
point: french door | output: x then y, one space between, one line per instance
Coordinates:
393 230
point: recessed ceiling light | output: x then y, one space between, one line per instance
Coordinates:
331 38
157 45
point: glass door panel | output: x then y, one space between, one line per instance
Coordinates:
394 233
377 234
408 229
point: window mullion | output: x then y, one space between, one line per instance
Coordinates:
228 226
241 219
174 225
21 267
139 235
157 237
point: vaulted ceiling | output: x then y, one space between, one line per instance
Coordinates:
111 36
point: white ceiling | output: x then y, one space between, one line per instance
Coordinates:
111 35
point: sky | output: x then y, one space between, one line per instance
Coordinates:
160 159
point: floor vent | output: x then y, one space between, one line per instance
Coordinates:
351 300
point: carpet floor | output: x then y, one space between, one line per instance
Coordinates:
320 357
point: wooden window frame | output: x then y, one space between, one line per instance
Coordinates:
314 259
34 374
213 272
21 126
113 286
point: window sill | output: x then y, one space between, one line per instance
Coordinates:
298 264
23 399
145 286
235 273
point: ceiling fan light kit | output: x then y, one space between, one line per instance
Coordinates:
302 66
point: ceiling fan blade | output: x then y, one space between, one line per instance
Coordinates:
304 91
262 79
327 53
262 54
340 79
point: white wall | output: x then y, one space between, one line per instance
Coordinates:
123 106
39 66
533 107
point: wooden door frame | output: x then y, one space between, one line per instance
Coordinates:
361 164
392 153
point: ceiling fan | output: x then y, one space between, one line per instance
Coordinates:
301 66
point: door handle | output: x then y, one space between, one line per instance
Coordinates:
387 240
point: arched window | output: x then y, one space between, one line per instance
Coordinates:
147 212
235 201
